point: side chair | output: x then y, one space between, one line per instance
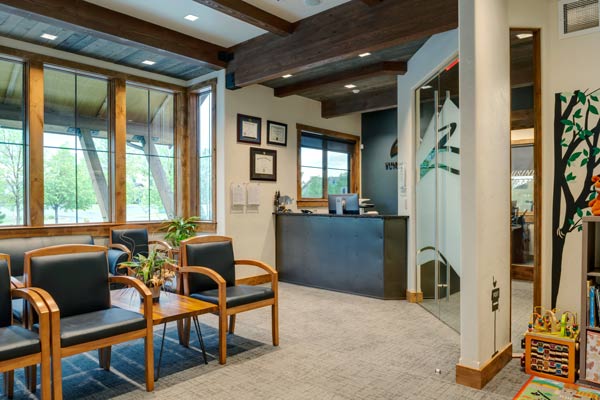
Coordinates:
75 282
208 273
133 239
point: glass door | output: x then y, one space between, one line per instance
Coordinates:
438 195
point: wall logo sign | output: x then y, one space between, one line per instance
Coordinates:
392 165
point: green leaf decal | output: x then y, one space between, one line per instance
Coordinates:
567 122
593 98
579 212
593 109
569 129
584 162
571 222
577 113
579 228
575 156
581 97
588 213
595 151
585 152
563 98
571 177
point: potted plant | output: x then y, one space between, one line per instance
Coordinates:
180 228
154 271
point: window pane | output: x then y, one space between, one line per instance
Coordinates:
76 148
337 181
312 182
12 147
150 154
311 158
205 150
337 160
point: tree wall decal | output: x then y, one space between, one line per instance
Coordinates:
576 158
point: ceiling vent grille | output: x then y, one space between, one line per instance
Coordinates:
578 17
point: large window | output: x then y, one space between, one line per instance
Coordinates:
326 165
76 148
150 154
12 147
206 152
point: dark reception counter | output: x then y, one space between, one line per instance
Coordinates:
359 254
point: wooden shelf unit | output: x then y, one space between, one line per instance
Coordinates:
590 271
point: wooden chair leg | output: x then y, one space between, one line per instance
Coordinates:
31 378
232 324
56 373
149 350
275 324
104 357
9 383
183 331
222 337
46 378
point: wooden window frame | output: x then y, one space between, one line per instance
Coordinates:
354 164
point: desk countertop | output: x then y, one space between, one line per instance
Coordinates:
373 216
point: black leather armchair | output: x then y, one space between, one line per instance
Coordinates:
82 318
208 274
20 347
134 240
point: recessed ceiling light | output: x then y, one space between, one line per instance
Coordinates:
350 86
524 35
426 87
356 91
148 62
191 17
48 36
287 76
367 54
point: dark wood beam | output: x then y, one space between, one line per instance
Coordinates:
338 34
361 102
81 16
251 14
352 76
372 3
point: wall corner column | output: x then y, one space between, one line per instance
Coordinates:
35 140
119 127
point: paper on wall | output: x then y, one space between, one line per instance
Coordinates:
238 194
253 194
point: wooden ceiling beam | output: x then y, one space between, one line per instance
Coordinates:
361 102
340 33
346 77
253 15
81 16
372 3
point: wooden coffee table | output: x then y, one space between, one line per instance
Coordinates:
171 307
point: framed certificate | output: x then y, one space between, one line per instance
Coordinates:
263 164
248 129
276 133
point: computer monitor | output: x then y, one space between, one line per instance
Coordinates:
349 202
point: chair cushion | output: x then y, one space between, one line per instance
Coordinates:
78 282
98 325
136 240
217 256
5 296
17 309
236 295
17 342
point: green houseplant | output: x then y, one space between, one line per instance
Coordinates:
180 228
154 271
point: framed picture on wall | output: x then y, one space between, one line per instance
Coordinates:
276 133
248 129
263 164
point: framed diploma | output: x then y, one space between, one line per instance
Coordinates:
276 133
248 129
263 164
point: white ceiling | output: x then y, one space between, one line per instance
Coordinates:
212 25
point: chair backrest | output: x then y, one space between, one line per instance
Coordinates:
214 252
135 238
76 276
17 247
5 297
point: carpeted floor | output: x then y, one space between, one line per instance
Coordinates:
333 346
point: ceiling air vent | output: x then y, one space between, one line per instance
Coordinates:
578 17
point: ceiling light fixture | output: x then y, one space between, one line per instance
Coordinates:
356 91
191 17
426 87
148 62
287 76
367 54
350 86
48 36
524 35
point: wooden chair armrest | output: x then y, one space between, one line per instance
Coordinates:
32 297
52 308
130 281
15 283
270 270
215 276
5 257
163 244
121 247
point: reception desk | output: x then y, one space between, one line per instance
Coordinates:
359 254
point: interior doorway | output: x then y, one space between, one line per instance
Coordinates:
525 218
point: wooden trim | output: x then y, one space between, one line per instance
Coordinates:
81 16
118 107
101 343
183 194
372 3
354 75
44 59
35 139
251 15
193 153
414 297
521 272
478 378
254 280
354 165
522 142
250 306
96 230
537 166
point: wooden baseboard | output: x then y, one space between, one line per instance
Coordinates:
254 280
478 378
414 297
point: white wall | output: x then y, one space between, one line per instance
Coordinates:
254 233
567 65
